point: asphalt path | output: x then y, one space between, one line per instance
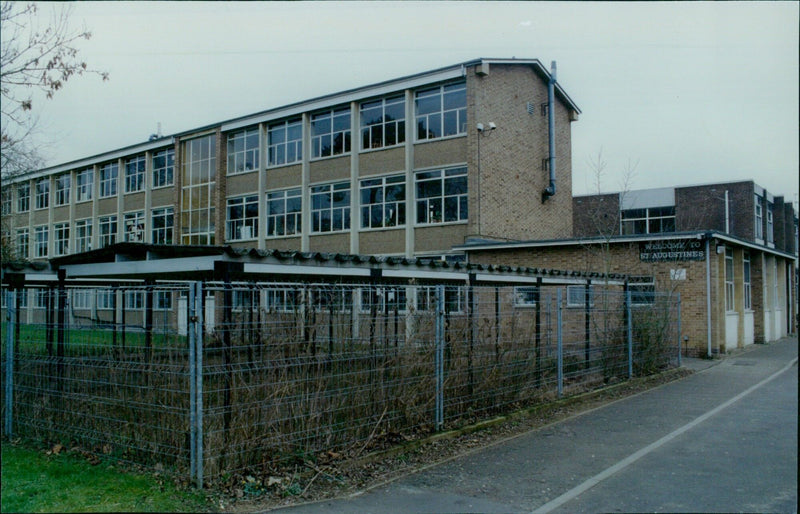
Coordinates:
721 440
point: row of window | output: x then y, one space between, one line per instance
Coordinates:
730 291
99 299
651 220
133 226
759 220
163 166
441 197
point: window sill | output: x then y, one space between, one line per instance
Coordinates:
284 165
380 229
443 138
284 236
237 173
391 147
440 224
327 157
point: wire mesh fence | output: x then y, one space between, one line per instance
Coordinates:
217 378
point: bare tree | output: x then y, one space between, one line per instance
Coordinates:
33 59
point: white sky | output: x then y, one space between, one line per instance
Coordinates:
687 92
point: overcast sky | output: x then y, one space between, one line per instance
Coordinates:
687 93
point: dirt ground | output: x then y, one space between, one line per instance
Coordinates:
333 475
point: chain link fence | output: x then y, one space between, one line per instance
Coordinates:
213 379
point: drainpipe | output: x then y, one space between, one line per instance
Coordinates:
551 132
708 292
727 214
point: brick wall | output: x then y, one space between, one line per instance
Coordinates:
703 208
596 214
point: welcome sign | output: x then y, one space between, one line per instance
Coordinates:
672 250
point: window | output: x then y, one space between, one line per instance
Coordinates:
82 299
441 111
197 196
43 193
441 195
284 212
40 236
285 142
576 296
23 242
642 293
747 293
330 132
24 198
134 227
455 298
330 207
384 299
40 298
383 202
282 300
108 231
61 231
242 218
83 235
383 122
651 220
85 185
525 296
6 201
162 300
729 305
106 299
134 174
163 167
63 185
162 220
134 300
244 299
108 179
759 222
770 230
243 151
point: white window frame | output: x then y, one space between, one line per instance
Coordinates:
6 201
770 223
198 182
373 191
61 238
334 208
431 119
376 129
649 216
43 193
524 296
24 197
747 286
82 299
109 176
280 217
637 289
326 127
243 151
104 299
282 299
134 300
133 227
41 234
280 147
455 298
83 235
163 220
427 205
135 169
759 218
23 243
63 189
730 292
386 296
243 227
576 296
162 300
107 231
84 185
163 163
40 297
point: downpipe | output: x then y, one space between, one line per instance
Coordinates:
551 132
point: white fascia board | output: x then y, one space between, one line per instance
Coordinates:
152 267
292 269
41 277
90 161
433 275
489 277
760 248
346 97
574 242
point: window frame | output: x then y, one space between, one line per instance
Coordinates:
382 184
627 218
284 215
368 130
23 241
109 176
84 185
133 227
572 296
83 235
319 133
61 235
523 296
105 239
135 169
759 219
6 201
638 291
293 126
234 227
747 285
24 197
247 150
730 290
63 191
41 236
162 300
426 203
42 193
334 208
163 175
162 220
441 112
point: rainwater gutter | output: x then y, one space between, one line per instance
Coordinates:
551 132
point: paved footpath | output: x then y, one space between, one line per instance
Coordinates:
721 440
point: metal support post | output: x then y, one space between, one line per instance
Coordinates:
679 331
11 320
560 345
630 332
198 340
191 319
439 357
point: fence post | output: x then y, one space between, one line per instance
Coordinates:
630 332
679 331
190 320
560 346
10 322
198 340
439 357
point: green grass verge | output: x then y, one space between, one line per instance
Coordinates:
36 482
